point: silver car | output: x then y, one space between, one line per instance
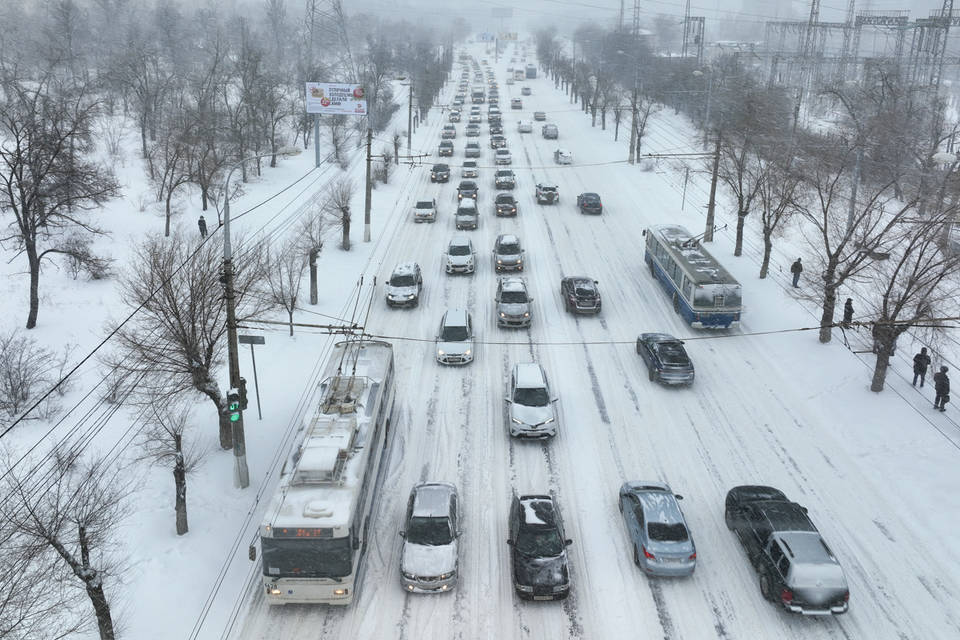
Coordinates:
430 555
531 412
455 338
404 286
460 257
507 253
662 544
513 303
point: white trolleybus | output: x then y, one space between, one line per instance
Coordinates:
703 292
317 526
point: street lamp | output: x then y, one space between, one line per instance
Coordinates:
241 476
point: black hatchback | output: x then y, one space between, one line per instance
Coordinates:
589 203
440 173
666 359
467 189
580 294
538 549
506 204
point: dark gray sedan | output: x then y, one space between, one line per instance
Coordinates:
666 359
662 545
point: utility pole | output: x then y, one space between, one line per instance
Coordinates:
241 475
708 232
409 114
632 158
366 203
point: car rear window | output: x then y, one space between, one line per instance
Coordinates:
664 532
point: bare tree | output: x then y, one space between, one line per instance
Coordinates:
336 206
338 133
642 109
397 141
779 188
179 333
917 282
284 276
46 180
70 523
734 172
163 443
27 369
311 233
171 162
384 168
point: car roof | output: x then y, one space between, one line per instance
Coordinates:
469 164
537 511
583 281
505 195
806 546
529 375
446 143
405 268
546 185
504 172
785 516
590 194
658 337
460 240
468 203
507 238
432 499
659 503
513 283
455 318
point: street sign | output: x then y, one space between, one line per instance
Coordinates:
251 339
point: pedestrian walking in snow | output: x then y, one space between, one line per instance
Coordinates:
920 363
796 269
847 313
942 384
203 227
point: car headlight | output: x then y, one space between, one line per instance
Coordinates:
444 576
440 352
560 588
499 261
548 420
516 420
410 296
524 588
526 314
503 315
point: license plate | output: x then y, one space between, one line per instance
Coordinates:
543 597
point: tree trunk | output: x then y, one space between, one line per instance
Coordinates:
101 608
880 369
34 261
829 306
143 136
738 247
290 317
180 482
166 228
345 241
313 276
767 249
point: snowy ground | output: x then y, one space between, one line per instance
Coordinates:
877 472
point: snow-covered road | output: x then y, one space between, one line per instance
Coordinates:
772 409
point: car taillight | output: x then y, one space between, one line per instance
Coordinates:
786 596
846 597
693 556
647 554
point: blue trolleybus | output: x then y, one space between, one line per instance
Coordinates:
703 292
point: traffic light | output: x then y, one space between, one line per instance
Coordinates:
233 405
243 394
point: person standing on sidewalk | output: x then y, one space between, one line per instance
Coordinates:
847 313
203 227
920 363
942 384
796 269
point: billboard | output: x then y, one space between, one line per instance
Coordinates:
485 37
508 36
336 98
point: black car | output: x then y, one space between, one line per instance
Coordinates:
538 549
505 179
506 204
580 294
589 203
440 173
467 189
666 359
496 128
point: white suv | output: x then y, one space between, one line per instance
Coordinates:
425 211
531 412
503 156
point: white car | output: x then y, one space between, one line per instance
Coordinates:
562 156
425 211
503 156
524 126
430 555
460 257
455 338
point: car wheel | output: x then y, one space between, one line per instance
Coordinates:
766 586
566 305
676 303
728 518
636 556
653 270
620 505
652 375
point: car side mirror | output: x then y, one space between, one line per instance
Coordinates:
402 534
568 542
508 400
252 552
510 542
678 496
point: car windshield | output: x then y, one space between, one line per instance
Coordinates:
539 543
664 532
468 185
456 333
306 557
513 297
504 199
430 531
424 204
536 397
508 249
459 250
672 353
584 291
440 167
548 188
505 174
402 280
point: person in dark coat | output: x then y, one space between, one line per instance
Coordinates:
203 227
847 313
942 384
920 363
796 269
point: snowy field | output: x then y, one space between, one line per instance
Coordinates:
878 472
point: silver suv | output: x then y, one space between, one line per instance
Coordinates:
455 338
513 302
404 286
507 253
430 555
531 412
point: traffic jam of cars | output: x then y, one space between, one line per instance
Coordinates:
795 567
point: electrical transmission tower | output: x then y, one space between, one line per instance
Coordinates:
693 35
635 29
327 31
928 47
